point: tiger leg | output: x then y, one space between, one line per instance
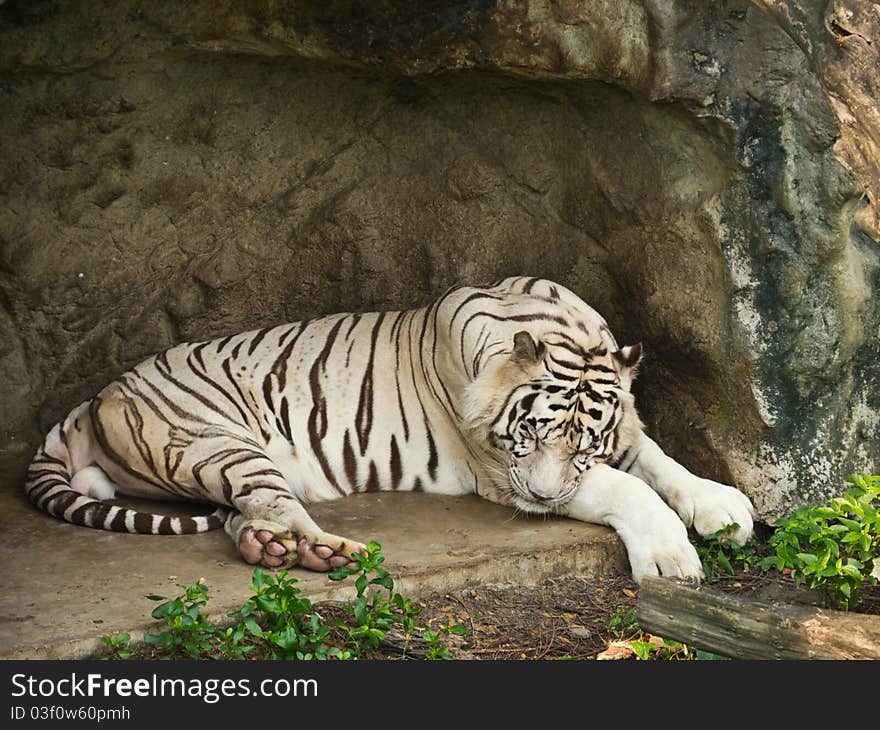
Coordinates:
655 538
142 445
707 505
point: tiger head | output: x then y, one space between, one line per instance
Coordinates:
549 411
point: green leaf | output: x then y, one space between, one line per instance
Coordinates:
642 649
287 639
258 579
851 524
360 609
164 610
386 581
340 573
154 597
264 603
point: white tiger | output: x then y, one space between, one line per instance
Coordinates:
517 392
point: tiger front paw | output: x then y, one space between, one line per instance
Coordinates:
657 543
710 506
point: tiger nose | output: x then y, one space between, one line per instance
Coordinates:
539 494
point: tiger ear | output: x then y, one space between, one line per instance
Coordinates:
526 351
627 360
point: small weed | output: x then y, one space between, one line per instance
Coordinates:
621 622
435 648
719 552
118 645
187 632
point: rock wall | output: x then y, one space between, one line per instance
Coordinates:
173 171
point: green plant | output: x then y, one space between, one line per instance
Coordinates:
288 626
832 547
118 645
277 622
372 616
435 648
622 621
718 552
231 642
188 631
668 650
374 612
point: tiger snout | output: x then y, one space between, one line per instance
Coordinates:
546 484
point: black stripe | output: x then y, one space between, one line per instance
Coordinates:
364 415
135 422
467 300
399 324
118 524
267 393
355 318
449 403
395 465
263 473
349 461
279 367
372 484
226 483
257 339
58 503
317 423
227 369
285 418
222 343
143 523
189 526
432 451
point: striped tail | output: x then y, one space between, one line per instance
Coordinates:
48 486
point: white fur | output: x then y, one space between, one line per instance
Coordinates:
655 538
703 503
93 482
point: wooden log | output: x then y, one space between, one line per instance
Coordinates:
742 628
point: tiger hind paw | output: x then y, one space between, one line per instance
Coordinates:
267 546
272 546
325 551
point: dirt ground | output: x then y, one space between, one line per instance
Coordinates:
578 618
585 618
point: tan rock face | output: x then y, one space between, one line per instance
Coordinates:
182 171
841 40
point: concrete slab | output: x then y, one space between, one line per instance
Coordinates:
62 587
